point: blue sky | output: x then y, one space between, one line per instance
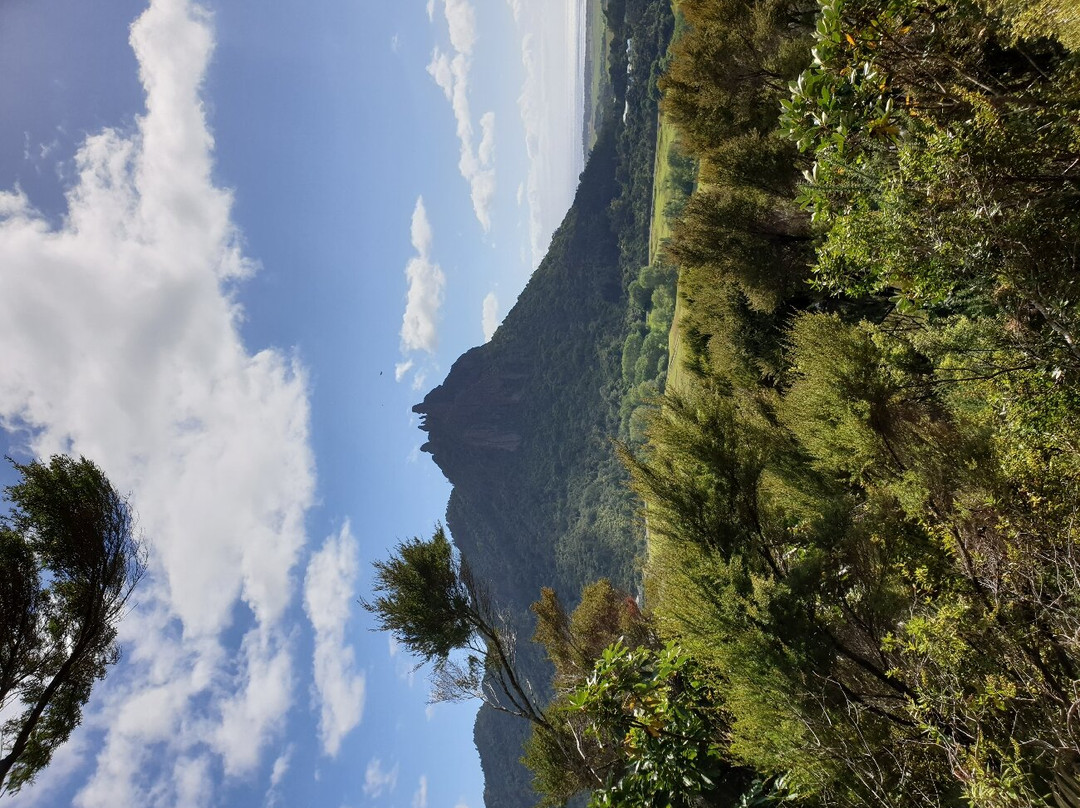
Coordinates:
238 241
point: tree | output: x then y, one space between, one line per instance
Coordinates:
430 601
655 712
69 560
575 641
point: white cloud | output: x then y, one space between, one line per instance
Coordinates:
257 707
490 320
461 20
431 10
281 766
401 368
120 334
419 327
419 799
395 43
550 104
441 69
379 781
192 777
531 107
426 283
329 591
451 74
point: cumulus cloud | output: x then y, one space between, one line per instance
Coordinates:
490 320
419 799
281 766
451 73
426 283
550 105
120 330
419 326
257 707
461 20
329 591
379 781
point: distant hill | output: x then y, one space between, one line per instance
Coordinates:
523 425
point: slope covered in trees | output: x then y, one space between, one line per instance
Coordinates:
69 559
862 498
523 426
862 573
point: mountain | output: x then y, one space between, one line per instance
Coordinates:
523 426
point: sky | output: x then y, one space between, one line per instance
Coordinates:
238 241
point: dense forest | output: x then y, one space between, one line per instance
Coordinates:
862 498
861 576
523 425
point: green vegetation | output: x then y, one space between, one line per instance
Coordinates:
674 179
599 96
69 559
523 425
862 496
649 710
861 584
653 302
645 351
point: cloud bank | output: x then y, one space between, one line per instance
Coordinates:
490 316
329 592
451 73
426 284
120 330
550 104
378 780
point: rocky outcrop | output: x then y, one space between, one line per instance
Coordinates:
521 427
477 408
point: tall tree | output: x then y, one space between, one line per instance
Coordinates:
69 560
430 601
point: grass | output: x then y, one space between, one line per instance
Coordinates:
599 40
659 231
660 227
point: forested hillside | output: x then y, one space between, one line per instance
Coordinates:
863 496
862 573
524 426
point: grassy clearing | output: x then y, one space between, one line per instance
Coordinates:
659 230
597 82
